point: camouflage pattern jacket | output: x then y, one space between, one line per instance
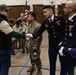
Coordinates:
31 29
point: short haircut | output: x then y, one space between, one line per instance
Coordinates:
11 20
24 20
18 22
33 14
47 6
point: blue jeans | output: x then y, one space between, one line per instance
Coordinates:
52 60
5 61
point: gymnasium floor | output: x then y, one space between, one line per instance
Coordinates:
20 63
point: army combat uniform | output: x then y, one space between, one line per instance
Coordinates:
34 45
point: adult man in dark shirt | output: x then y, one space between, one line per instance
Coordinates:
69 42
6 34
55 27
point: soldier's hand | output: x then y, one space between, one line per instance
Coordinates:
29 35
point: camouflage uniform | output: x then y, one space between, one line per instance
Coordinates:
35 43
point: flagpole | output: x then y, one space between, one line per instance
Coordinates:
26 9
25 4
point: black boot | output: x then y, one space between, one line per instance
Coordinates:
39 72
32 68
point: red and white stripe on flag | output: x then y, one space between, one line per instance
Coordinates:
26 14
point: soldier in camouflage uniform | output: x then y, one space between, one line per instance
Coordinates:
34 44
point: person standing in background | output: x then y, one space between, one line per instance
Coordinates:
23 31
22 16
18 29
12 23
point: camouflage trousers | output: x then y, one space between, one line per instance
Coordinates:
37 61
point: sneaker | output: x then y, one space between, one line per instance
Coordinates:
39 72
32 68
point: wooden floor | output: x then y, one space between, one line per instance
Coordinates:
20 63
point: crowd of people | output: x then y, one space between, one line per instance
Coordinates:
25 34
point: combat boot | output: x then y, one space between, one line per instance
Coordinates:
39 72
32 68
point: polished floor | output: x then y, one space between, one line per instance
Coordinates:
20 63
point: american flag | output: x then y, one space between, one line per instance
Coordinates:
26 9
